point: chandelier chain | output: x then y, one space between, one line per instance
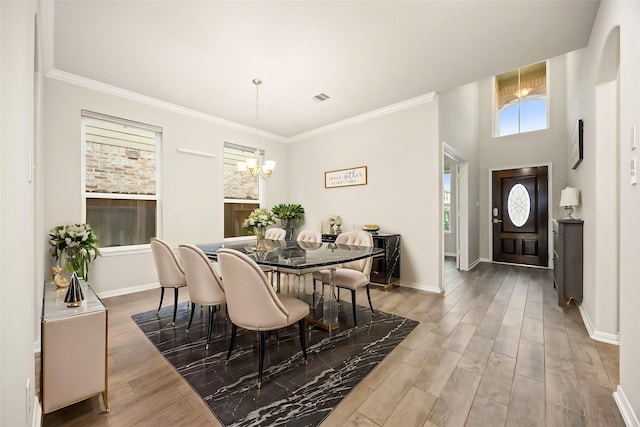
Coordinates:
253 166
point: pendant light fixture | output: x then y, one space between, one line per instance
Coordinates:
253 166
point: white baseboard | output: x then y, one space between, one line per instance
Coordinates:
36 417
130 290
629 417
422 287
473 264
450 254
595 334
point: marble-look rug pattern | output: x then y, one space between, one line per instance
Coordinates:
292 393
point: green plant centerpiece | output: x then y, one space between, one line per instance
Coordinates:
286 212
79 245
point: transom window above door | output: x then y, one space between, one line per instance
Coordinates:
521 100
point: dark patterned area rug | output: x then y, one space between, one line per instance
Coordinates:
292 393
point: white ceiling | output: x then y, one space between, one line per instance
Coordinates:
202 55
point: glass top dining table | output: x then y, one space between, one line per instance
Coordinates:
293 257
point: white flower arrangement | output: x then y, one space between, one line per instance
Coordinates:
79 243
259 218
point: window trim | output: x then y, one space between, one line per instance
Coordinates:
126 249
119 120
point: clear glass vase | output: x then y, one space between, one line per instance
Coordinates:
261 244
76 261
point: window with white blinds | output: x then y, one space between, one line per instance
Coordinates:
120 179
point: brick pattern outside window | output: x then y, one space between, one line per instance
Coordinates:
116 170
238 185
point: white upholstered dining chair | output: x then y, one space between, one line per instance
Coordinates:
353 275
203 282
309 236
252 303
170 272
275 233
307 240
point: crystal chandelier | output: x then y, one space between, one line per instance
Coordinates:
253 166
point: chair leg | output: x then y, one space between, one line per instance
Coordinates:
193 309
161 298
232 341
353 306
175 304
261 345
302 339
313 295
369 297
209 326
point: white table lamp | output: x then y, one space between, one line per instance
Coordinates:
569 199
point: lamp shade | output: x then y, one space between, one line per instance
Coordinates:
569 197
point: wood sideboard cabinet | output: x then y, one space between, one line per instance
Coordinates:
74 349
385 270
567 259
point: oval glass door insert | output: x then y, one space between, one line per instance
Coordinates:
518 205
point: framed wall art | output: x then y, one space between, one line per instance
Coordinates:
577 145
345 177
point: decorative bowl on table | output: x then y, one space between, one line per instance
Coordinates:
371 227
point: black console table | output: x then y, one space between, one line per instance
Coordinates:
567 259
385 270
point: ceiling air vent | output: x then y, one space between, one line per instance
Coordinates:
321 97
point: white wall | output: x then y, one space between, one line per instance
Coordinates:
459 128
593 98
403 194
191 186
595 66
17 221
530 148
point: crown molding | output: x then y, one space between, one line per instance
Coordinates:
154 102
399 106
76 80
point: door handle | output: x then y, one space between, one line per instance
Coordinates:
496 220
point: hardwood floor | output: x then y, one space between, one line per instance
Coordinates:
495 350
